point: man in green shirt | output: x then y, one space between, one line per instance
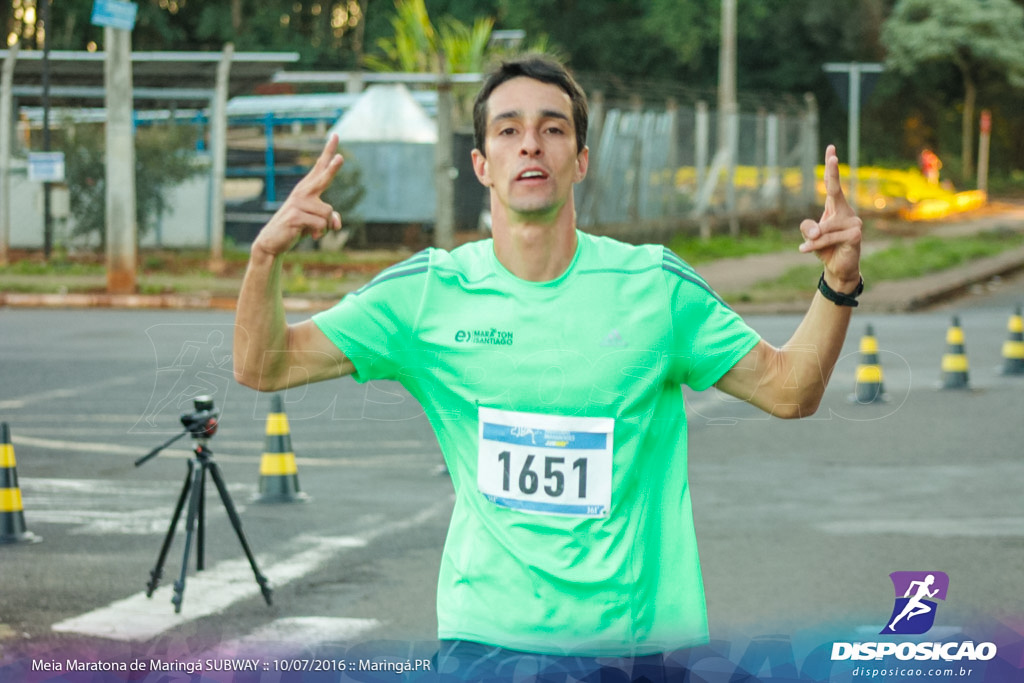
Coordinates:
549 363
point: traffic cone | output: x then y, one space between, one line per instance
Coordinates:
954 362
869 387
1013 347
12 514
279 477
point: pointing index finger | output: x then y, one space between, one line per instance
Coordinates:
327 165
833 187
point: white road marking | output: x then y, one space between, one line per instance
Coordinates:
142 507
138 618
68 392
404 458
973 527
88 447
412 450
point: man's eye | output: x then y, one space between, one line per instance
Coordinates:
507 131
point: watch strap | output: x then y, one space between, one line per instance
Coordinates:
838 298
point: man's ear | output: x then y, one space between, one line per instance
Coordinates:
582 163
480 168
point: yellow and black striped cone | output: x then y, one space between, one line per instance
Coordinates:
869 387
12 514
954 361
279 477
1013 347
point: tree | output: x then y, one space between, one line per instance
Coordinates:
452 46
981 38
164 158
417 45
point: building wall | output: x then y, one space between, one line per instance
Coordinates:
186 225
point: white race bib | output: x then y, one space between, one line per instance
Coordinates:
546 464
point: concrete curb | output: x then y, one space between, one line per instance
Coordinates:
900 296
906 296
146 301
920 293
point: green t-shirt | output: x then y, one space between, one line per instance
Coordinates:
559 411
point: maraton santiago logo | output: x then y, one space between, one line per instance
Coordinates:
916 593
492 336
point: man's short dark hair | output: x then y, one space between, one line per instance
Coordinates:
539 68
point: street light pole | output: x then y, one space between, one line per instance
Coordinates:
854 71
47 210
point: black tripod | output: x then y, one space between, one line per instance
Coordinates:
202 425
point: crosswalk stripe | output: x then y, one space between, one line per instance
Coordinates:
138 618
409 453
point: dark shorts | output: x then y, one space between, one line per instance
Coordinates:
460 661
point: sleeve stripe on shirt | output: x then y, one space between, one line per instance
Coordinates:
413 265
670 257
688 274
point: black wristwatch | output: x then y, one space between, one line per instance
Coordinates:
838 298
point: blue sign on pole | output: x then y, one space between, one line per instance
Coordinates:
46 167
114 13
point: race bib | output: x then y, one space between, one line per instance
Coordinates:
546 464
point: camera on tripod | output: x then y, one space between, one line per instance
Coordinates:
202 422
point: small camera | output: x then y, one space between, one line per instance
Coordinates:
203 403
202 423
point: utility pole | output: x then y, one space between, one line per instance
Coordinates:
118 19
219 152
6 83
854 72
122 251
47 187
727 108
984 141
444 170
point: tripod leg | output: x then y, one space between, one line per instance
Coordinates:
190 526
236 523
201 530
158 569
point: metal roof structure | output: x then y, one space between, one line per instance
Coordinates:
386 113
160 79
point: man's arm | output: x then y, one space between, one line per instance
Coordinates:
790 381
269 354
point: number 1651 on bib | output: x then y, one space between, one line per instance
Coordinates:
546 464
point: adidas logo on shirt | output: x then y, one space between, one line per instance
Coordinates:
614 340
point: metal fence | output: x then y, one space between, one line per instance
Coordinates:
662 170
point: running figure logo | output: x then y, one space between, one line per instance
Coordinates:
914 611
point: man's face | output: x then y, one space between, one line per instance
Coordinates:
531 160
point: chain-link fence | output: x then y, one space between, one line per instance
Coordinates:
656 171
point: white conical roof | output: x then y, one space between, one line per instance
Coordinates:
385 113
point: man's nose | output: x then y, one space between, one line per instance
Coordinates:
531 144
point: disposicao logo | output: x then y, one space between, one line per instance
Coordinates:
913 614
916 593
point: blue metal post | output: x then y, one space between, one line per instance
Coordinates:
268 157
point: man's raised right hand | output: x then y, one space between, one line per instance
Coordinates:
304 212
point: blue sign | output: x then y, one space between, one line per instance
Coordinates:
115 14
47 167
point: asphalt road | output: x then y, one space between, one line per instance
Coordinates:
799 523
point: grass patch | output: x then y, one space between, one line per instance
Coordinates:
57 266
766 240
909 259
904 260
